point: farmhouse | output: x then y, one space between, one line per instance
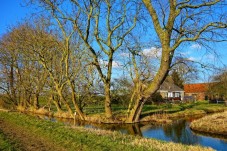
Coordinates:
197 90
170 91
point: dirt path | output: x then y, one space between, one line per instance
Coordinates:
23 140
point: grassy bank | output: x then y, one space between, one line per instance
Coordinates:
5 144
78 138
165 113
215 124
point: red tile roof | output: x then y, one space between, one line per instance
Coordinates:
196 88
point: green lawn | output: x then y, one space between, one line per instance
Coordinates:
167 108
5 145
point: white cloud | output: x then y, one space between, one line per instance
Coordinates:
192 59
115 64
196 46
152 52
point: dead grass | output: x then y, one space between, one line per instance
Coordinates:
100 118
63 115
4 110
20 108
215 124
157 118
40 111
187 112
145 143
170 146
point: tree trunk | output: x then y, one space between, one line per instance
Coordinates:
78 110
151 88
134 129
58 106
135 112
108 111
76 106
62 99
56 103
11 85
36 101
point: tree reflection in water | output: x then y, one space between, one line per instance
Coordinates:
179 131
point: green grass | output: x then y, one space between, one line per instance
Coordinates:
182 109
210 108
78 138
173 110
147 109
97 112
5 144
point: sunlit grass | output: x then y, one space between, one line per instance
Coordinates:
96 113
78 138
216 124
162 113
211 108
165 112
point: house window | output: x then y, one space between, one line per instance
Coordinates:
177 94
170 94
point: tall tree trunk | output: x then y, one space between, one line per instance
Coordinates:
56 103
58 106
151 88
73 94
108 110
134 129
11 85
135 112
78 110
36 101
62 99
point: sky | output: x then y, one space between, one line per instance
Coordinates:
14 11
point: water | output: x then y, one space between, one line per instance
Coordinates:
181 133
178 132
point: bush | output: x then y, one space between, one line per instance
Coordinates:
156 98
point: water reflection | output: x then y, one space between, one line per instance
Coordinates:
179 132
176 132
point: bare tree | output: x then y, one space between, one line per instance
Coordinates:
25 77
102 25
217 87
37 56
177 22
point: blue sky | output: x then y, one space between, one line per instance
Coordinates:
13 11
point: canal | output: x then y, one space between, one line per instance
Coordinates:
179 132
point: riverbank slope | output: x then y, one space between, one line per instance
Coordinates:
28 133
214 124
